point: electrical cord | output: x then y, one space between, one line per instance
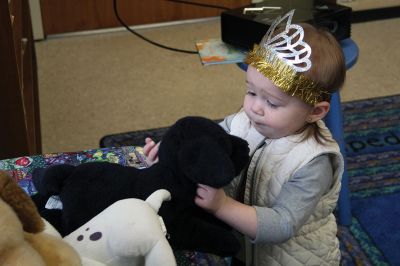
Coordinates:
115 5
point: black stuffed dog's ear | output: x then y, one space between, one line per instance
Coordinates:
203 161
240 153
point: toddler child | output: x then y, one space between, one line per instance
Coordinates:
283 203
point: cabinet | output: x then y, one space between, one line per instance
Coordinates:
19 103
63 16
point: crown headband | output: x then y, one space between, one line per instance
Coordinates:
282 59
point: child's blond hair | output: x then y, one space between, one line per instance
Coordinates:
328 67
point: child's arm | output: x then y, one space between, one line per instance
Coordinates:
291 210
239 216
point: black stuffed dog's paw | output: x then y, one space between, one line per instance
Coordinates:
204 235
49 181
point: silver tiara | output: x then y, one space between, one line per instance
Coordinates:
288 45
282 57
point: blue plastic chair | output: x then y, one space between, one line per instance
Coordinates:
334 121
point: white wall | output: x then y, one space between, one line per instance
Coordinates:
36 17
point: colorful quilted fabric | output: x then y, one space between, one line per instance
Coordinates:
21 169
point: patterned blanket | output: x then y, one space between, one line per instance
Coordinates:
21 169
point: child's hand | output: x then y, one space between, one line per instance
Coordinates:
239 216
209 198
150 149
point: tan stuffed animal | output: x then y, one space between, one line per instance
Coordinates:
22 240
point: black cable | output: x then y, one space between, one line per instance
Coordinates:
144 38
199 4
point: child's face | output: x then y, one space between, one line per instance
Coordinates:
272 112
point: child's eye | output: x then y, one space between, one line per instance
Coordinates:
272 105
251 93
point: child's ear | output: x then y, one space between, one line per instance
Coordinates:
319 111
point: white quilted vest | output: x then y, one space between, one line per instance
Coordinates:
271 167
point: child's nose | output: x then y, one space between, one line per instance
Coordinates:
258 107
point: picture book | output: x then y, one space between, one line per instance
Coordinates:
215 51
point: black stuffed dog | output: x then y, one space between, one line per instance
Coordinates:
194 150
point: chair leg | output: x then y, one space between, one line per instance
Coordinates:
334 121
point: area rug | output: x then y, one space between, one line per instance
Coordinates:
372 135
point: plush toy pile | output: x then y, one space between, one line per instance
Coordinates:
22 238
194 150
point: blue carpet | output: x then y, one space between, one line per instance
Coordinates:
377 217
372 136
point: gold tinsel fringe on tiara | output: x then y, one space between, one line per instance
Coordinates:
284 76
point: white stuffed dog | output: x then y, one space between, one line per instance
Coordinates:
128 232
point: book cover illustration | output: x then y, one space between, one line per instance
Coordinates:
215 51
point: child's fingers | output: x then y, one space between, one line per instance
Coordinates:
203 186
202 191
153 153
199 201
148 147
